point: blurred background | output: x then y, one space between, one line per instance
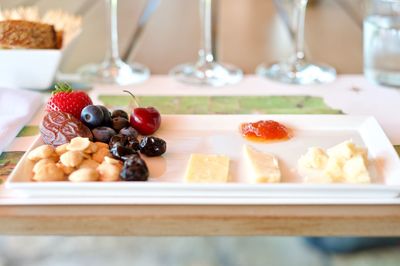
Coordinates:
248 32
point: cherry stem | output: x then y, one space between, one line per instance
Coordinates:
134 98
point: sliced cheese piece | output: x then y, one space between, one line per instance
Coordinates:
207 168
264 167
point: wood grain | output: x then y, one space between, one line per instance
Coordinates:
201 220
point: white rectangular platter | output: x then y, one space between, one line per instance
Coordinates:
219 134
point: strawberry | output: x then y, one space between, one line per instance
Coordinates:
66 100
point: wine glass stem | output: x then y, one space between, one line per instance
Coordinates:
298 28
112 53
206 14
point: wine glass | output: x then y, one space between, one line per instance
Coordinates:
296 69
207 71
113 70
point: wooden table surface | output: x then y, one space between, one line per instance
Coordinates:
249 32
200 220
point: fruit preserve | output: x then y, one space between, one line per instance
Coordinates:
265 130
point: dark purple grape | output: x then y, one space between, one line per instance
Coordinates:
134 169
92 116
119 113
103 134
133 143
133 158
130 156
119 151
152 146
129 131
119 123
107 121
117 140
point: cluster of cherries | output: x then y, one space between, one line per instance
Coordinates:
122 132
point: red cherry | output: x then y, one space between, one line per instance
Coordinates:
146 120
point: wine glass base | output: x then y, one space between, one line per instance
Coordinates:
117 72
302 73
209 74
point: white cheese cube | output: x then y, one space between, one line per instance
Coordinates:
363 153
345 162
315 158
333 169
342 151
355 171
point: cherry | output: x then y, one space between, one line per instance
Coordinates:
146 120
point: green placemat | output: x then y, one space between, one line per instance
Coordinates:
8 161
28 131
226 104
397 148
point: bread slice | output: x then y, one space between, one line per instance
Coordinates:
23 34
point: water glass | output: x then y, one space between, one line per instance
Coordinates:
382 42
297 69
207 70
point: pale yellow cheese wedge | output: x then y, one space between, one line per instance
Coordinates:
207 168
264 167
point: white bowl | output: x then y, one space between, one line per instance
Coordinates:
29 68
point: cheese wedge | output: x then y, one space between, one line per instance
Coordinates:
207 168
264 167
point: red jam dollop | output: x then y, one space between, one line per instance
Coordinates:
265 130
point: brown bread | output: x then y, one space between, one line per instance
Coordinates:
27 35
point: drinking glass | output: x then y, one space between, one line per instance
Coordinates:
296 69
113 70
382 42
207 71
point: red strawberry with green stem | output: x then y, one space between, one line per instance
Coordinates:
66 100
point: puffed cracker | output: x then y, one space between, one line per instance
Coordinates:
84 175
71 158
78 144
41 152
